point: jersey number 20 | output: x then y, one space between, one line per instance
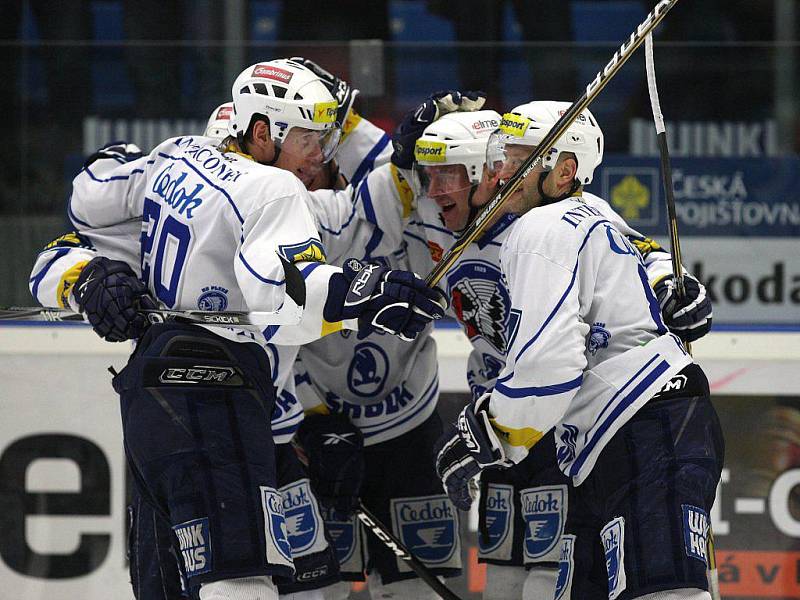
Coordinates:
170 251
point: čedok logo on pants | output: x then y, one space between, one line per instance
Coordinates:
613 538
544 511
565 563
302 518
499 515
195 543
342 530
427 526
279 551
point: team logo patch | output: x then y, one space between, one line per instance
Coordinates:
695 532
613 539
311 250
565 567
481 302
302 517
367 373
544 511
194 539
279 550
270 72
598 338
427 527
342 531
567 442
499 516
213 298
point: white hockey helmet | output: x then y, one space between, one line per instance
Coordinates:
289 95
528 124
219 122
457 138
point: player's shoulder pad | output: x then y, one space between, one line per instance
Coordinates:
404 191
73 239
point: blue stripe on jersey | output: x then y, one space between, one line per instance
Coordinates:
428 396
37 279
652 301
269 332
115 177
308 269
369 160
545 390
257 276
377 235
422 241
289 429
434 227
634 394
530 342
344 226
76 222
204 178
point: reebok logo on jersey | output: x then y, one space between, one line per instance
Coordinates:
195 545
270 72
332 439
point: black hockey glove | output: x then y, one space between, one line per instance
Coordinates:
414 122
109 293
339 88
691 319
465 449
388 300
334 448
122 152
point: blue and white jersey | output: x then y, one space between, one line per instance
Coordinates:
214 229
384 385
586 343
364 147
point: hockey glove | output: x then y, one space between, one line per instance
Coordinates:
119 151
410 128
383 299
465 449
690 319
339 88
334 448
109 293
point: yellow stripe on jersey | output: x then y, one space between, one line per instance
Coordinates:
73 239
526 436
403 190
319 409
350 123
68 280
330 327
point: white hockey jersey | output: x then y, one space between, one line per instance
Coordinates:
587 345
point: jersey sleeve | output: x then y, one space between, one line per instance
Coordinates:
284 230
545 361
364 147
367 221
108 192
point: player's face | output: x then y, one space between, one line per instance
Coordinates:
303 153
448 186
527 196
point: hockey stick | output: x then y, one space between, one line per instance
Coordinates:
712 573
289 315
491 208
666 174
395 545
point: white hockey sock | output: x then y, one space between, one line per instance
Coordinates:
540 584
337 591
682 594
408 589
245 588
504 583
307 595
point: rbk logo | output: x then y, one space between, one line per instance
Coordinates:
334 438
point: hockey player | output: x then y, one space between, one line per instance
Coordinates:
590 357
183 188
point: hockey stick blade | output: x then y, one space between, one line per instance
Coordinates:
289 315
491 208
395 545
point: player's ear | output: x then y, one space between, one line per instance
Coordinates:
261 144
567 169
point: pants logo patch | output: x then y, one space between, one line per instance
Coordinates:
499 515
195 544
565 562
343 533
279 550
544 511
302 518
428 527
613 538
695 532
